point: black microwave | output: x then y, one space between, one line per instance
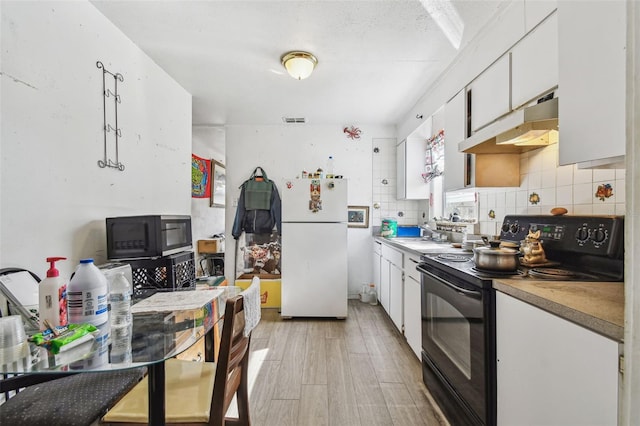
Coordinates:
131 237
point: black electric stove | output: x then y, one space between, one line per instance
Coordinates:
458 304
578 248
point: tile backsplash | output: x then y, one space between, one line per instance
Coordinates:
545 185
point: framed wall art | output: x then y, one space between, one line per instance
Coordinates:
218 183
200 177
358 217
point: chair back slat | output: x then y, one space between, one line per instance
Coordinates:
232 364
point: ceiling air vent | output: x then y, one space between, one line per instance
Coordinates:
294 119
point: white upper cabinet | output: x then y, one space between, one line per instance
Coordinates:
592 54
536 11
410 166
410 162
437 121
534 63
455 123
490 93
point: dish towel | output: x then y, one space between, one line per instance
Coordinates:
252 311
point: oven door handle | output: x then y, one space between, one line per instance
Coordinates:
463 291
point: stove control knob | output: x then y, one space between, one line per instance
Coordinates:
515 228
505 227
582 234
600 236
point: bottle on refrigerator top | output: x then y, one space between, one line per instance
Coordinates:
52 297
120 319
87 295
329 170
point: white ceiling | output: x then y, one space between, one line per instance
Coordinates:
375 58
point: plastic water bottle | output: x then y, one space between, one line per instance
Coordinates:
373 295
120 319
329 170
87 295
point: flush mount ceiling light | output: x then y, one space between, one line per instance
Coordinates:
299 64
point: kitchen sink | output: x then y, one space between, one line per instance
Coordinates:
421 245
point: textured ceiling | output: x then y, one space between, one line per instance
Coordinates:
375 58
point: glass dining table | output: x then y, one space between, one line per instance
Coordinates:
164 325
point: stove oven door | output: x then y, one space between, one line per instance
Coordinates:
454 346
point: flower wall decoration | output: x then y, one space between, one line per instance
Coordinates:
534 198
604 191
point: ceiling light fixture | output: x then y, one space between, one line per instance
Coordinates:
299 64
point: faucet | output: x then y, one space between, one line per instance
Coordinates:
427 233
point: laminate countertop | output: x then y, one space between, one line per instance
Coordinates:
597 306
418 246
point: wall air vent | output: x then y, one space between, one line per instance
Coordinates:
294 119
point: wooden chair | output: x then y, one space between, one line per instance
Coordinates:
199 392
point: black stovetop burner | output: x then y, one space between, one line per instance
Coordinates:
559 274
452 257
578 248
496 274
463 266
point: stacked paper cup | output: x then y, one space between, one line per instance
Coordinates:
14 347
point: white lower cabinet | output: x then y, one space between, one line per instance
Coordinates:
412 314
377 260
399 291
391 284
385 283
396 296
412 303
551 371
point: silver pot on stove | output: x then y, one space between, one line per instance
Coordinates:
496 258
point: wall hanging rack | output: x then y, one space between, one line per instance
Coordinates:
110 131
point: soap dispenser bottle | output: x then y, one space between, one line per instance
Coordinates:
52 295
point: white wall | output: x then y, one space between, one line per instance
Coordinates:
208 142
54 197
286 150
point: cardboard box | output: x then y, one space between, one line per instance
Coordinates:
270 291
207 246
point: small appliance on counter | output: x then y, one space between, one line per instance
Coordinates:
158 248
134 237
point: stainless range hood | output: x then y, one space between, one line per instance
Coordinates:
522 130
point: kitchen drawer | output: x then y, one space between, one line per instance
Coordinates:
392 255
410 263
377 247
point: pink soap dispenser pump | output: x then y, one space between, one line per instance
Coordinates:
52 296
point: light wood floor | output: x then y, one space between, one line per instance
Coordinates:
358 371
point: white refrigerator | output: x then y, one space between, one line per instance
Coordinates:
314 248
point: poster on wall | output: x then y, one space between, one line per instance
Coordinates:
200 177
